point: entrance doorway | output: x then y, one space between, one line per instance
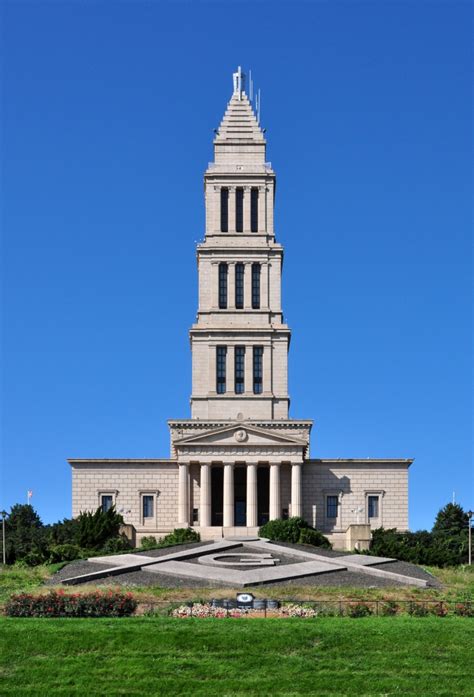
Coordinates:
217 495
240 496
263 495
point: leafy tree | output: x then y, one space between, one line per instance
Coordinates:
64 532
25 535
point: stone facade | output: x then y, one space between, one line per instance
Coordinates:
240 460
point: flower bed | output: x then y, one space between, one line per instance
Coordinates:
61 604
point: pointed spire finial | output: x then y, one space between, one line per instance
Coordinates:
239 78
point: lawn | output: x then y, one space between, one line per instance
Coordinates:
161 656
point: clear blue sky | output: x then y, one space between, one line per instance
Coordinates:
107 125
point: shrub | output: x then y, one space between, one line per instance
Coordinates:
65 552
294 530
60 604
95 529
438 609
359 610
417 610
180 536
309 536
149 542
465 609
116 544
389 609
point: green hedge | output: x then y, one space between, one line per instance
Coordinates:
295 530
60 604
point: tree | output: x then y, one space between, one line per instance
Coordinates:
95 529
25 535
451 520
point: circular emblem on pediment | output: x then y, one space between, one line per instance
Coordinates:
241 435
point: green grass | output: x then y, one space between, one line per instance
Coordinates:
16 578
150 656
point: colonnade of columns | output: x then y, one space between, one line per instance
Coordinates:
205 516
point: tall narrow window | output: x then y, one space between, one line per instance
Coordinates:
224 209
239 210
239 286
239 369
255 286
257 369
331 506
147 504
221 359
222 286
254 209
106 502
373 502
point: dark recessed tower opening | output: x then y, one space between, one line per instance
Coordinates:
239 210
217 495
240 496
263 494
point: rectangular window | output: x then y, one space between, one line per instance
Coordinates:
239 286
331 506
221 359
147 506
239 210
239 369
222 286
255 286
257 369
224 209
106 502
373 504
254 210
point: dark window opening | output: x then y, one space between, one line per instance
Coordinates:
254 210
224 210
195 515
148 506
257 369
239 286
106 503
373 506
222 286
239 210
221 359
255 286
331 506
239 369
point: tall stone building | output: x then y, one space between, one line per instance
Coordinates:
240 461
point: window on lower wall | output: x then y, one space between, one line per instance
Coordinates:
221 360
373 506
148 506
332 503
239 369
106 502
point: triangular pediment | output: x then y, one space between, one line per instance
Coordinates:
240 434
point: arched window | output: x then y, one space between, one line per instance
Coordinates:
224 209
239 210
222 286
255 286
254 209
239 286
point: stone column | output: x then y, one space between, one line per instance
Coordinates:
183 495
214 285
231 209
275 505
296 509
248 287
264 286
231 286
228 495
212 369
270 202
252 500
247 195
205 512
249 369
267 369
262 223
230 362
